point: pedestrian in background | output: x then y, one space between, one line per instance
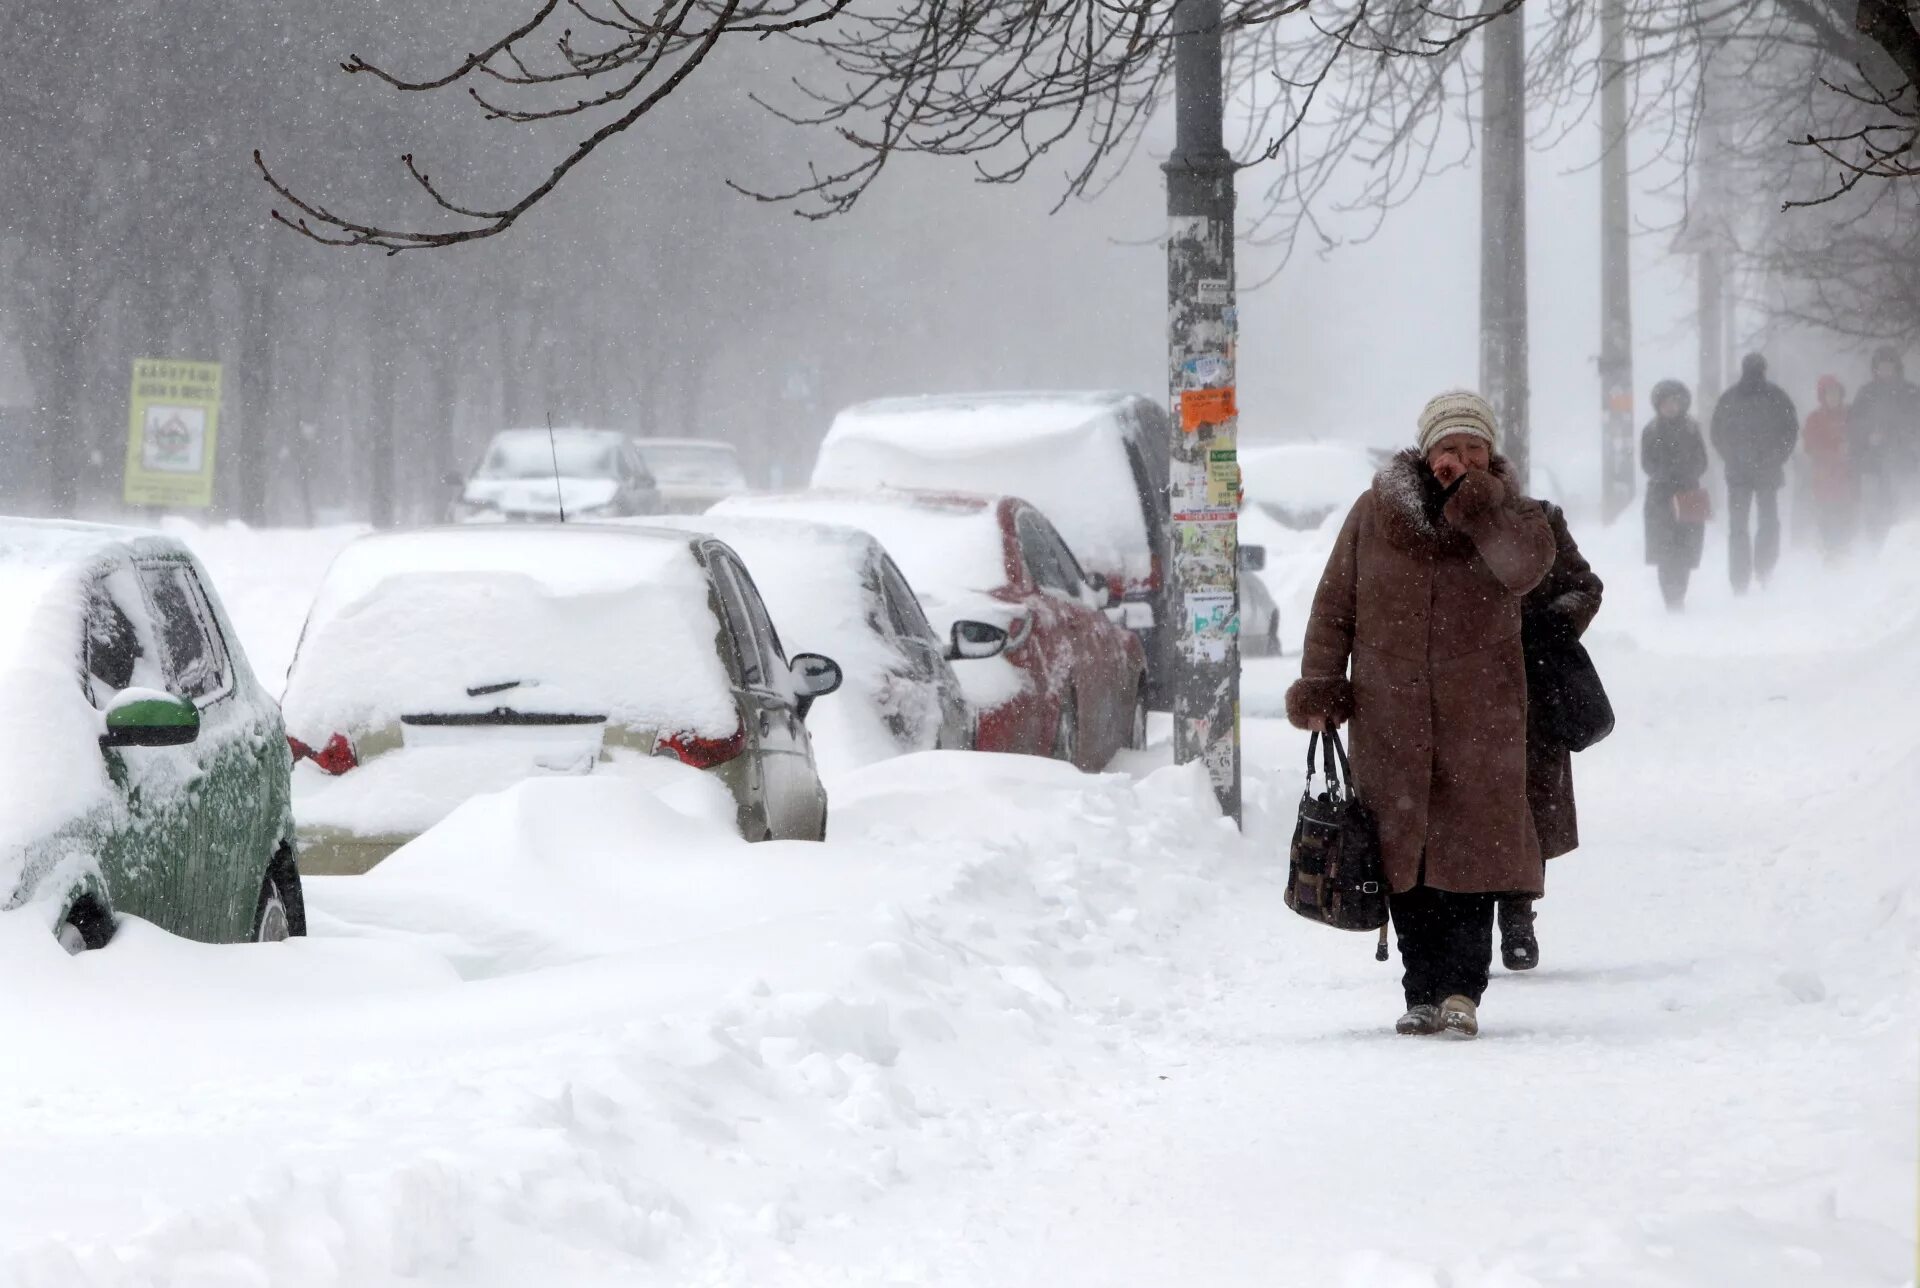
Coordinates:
1554 614
1883 432
1755 427
1830 464
1421 596
1674 455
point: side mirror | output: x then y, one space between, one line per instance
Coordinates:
1103 590
814 676
972 641
149 718
1253 558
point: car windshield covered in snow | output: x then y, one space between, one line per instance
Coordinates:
584 621
518 454
678 461
1068 454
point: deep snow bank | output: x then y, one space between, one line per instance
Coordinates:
728 1047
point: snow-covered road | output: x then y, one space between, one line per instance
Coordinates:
1018 1026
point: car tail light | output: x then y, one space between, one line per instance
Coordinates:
703 753
336 758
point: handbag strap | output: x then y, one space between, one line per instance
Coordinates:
1339 781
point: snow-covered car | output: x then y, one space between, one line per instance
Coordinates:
1259 615
148 770
441 664
692 473
837 588
1094 463
1299 484
533 476
1068 681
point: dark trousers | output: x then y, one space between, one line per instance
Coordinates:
1446 943
1751 555
1673 583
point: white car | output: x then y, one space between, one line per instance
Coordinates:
440 664
537 476
692 473
837 588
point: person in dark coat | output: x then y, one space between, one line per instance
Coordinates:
1674 455
1883 440
1421 596
1555 613
1755 429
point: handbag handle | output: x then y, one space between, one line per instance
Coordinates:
1338 783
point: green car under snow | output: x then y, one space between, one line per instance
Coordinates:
150 772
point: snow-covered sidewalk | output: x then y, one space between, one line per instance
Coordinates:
1019 1026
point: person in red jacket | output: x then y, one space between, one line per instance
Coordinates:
1831 468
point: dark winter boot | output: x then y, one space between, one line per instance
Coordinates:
1419 1021
1519 949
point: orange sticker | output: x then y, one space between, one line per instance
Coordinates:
1200 407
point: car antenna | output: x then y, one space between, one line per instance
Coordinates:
559 495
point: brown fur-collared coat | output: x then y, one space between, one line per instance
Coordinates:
1424 603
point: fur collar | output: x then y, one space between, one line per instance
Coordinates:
1409 500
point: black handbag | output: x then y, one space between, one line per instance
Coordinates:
1566 701
1335 875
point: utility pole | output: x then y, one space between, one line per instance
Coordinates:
1617 470
1503 235
1203 593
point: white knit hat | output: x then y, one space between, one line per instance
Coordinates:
1457 411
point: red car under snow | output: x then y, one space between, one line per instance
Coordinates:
1071 681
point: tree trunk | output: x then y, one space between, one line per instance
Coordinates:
383 339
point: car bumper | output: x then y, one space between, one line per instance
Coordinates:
328 852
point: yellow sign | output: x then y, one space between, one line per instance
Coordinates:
172 432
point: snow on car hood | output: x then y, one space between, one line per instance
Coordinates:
1063 453
579 621
540 496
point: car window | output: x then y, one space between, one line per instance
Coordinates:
190 645
903 609
1042 550
637 466
739 625
773 658
117 646
1064 558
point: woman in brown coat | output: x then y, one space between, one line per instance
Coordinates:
1554 613
1422 596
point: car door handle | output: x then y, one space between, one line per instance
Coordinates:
766 723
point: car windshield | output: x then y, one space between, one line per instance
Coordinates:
529 454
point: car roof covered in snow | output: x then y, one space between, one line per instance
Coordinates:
1066 453
712 444
944 542
967 424
578 433
581 618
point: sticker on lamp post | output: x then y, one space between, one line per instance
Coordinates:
172 433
